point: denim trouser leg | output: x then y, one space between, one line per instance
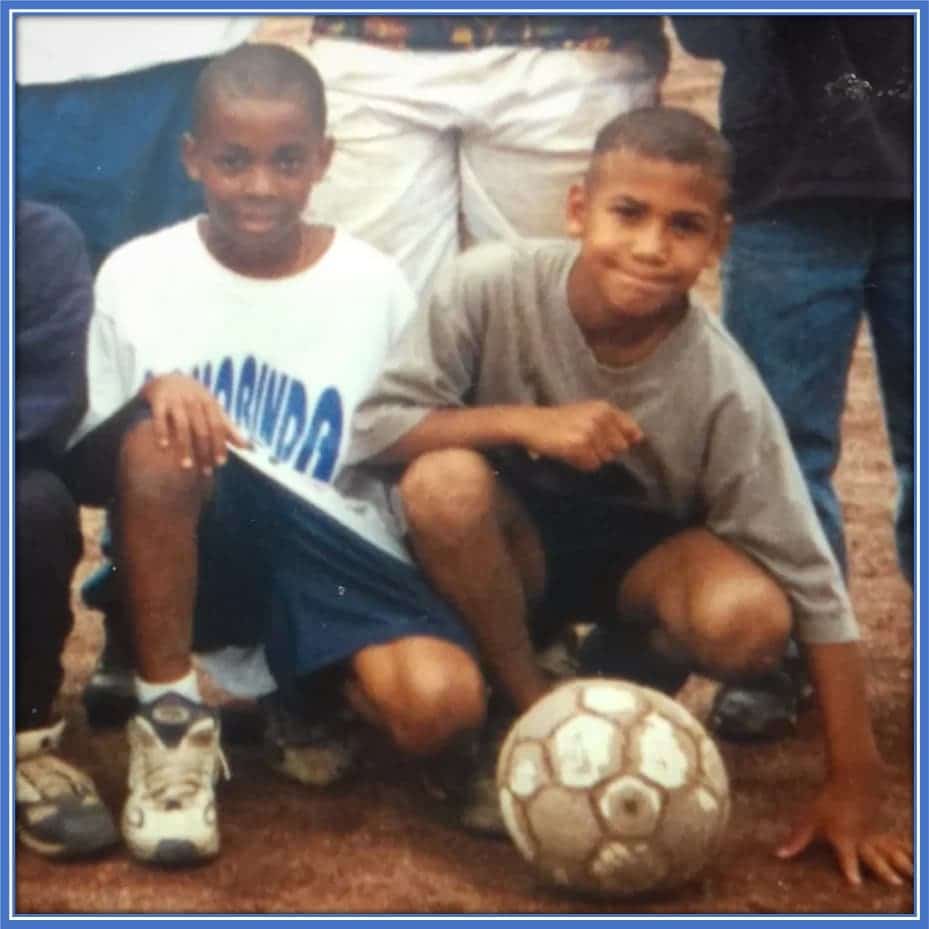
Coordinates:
796 284
890 306
792 296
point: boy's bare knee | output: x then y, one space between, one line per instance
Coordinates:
423 704
149 472
741 627
440 707
445 494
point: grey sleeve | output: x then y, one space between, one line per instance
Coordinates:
757 500
431 366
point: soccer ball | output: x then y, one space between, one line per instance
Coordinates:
611 788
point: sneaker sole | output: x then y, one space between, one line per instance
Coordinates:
174 853
91 845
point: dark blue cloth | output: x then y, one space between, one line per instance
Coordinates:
274 569
54 300
107 151
796 283
54 297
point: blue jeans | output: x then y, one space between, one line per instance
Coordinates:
797 282
107 151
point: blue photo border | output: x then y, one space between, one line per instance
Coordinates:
9 9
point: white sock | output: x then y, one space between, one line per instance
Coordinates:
186 686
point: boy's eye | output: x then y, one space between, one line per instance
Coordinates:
687 225
231 161
289 162
627 210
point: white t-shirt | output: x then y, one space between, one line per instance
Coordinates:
55 49
288 358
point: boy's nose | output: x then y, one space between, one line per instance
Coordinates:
259 181
650 242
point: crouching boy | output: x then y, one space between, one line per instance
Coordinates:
584 442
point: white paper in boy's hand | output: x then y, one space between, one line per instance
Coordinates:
357 515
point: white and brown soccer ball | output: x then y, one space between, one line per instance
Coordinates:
611 788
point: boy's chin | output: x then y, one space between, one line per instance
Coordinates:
633 310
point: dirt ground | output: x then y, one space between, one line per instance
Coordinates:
375 845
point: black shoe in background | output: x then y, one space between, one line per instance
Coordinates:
109 697
623 649
765 708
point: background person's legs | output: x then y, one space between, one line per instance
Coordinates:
58 810
393 180
793 296
531 135
48 548
890 308
526 119
107 151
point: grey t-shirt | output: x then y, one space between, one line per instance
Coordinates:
497 329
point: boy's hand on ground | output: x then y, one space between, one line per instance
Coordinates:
584 435
846 815
187 416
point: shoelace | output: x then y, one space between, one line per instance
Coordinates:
177 775
51 777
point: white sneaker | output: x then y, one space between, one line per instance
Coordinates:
58 810
175 760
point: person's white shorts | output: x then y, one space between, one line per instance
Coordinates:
435 149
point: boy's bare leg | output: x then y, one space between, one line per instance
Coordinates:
159 509
480 550
712 602
174 751
423 691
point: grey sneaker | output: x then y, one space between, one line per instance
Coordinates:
464 778
58 811
317 752
175 760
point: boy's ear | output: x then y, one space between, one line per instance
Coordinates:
189 156
722 237
323 158
576 210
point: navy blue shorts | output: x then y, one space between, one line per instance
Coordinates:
274 569
593 529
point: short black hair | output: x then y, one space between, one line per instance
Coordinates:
669 134
260 70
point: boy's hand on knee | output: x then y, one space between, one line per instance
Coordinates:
584 435
846 814
186 416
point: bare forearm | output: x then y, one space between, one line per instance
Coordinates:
839 678
469 427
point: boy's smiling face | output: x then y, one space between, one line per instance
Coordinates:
648 227
257 159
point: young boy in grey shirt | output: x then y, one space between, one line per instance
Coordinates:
582 441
